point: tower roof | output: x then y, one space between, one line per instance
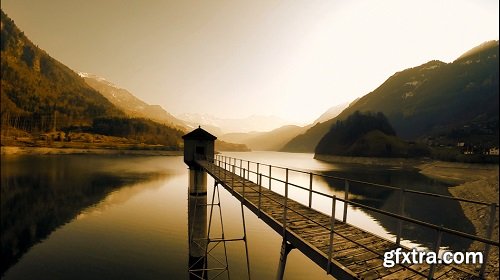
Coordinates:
199 134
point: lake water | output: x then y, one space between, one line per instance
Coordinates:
126 217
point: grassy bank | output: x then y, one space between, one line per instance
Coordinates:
12 150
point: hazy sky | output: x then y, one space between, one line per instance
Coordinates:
292 59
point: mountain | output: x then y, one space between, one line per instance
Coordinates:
449 101
35 86
479 49
331 113
366 134
244 125
131 105
39 95
221 145
266 141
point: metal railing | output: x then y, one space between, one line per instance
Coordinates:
244 169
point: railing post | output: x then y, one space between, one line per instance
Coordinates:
286 204
243 184
346 198
489 234
270 177
436 250
241 163
248 170
310 189
232 181
257 173
225 171
260 191
332 223
401 212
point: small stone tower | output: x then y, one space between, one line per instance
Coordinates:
198 144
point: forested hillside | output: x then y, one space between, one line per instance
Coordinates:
130 104
366 134
41 95
447 102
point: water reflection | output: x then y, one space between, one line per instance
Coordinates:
139 231
433 210
39 194
197 222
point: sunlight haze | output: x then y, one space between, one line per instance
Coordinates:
233 59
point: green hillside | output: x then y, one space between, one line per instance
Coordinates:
366 134
36 88
41 95
449 101
130 104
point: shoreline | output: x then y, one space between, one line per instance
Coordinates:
472 181
16 150
393 162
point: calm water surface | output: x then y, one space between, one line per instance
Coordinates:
123 217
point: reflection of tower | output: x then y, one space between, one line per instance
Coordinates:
197 222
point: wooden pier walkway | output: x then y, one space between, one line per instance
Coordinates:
346 252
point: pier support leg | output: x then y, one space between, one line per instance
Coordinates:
285 249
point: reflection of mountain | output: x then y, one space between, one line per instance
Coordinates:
428 209
39 194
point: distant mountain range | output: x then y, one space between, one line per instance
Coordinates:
452 101
41 95
332 112
220 126
265 141
130 104
275 139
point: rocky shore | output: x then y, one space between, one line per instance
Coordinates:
472 181
475 182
